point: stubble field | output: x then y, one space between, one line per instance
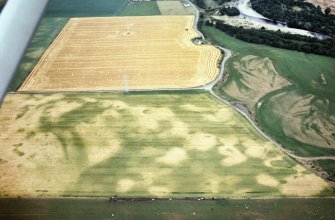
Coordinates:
162 145
125 52
324 4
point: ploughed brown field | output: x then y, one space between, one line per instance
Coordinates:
118 53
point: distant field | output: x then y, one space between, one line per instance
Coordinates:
324 4
177 144
125 52
85 8
141 8
174 8
211 3
293 114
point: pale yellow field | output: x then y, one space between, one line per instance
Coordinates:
125 52
324 4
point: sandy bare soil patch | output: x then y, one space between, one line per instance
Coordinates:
233 156
298 183
118 53
174 156
267 180
248 23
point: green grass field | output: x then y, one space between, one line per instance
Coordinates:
179 144
85 8
98 8
295 118
141 8
301 114
328 166
208 209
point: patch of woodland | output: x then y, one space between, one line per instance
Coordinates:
297 14
279 39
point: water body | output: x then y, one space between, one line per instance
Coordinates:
252 16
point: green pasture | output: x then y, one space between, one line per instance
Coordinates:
304 72
97 208
85 8
141 8
275 124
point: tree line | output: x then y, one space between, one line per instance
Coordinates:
279 39
230 11
200 3
297 14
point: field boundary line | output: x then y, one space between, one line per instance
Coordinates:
288 152
45 54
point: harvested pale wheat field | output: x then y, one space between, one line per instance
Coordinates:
118 53
324 4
